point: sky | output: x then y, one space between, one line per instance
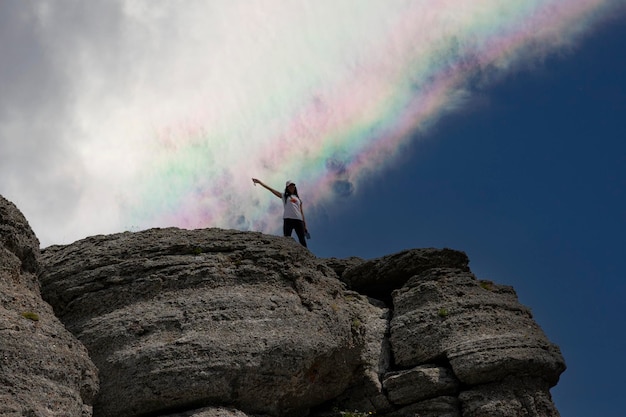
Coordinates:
491 127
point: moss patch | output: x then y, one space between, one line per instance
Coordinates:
30 315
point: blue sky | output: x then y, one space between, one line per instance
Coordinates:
531 184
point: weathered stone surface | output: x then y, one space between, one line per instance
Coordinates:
479 327
44 370
435 407
491 342
210 412
176 317
365 393
512 397
340 265
420 383
225 323
377 278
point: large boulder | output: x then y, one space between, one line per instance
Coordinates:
44 370
179 318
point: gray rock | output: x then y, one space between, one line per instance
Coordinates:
366 393
435 407
210 412
44 370
479 327
420 383
377 278
175 317
222 323
341 265
511 397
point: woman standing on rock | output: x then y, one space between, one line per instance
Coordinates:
293 214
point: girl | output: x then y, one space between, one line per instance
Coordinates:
293 214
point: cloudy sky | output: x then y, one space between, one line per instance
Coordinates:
486 126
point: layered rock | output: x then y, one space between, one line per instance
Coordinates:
222 323
465 346
379 277
44 370
176 318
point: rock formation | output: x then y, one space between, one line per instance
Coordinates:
44 370
211 322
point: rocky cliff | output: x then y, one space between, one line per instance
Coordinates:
44 370
213 322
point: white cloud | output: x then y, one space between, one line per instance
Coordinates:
128 114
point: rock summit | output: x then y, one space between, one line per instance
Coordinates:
213 322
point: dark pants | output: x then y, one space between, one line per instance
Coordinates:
294 224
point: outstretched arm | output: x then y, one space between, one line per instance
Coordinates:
273 191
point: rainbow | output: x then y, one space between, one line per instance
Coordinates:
335 119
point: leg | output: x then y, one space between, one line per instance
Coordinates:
299 226
287 227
